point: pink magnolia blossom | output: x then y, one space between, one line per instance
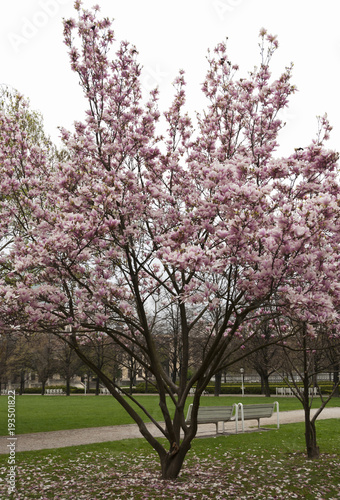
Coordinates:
129 224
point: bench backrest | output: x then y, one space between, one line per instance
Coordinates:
207 414
258 410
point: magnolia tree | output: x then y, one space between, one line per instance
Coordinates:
131 225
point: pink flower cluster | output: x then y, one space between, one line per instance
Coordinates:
207 216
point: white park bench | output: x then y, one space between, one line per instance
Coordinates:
256 412
54 392
193 390
214 415
284 391
105 390
288 391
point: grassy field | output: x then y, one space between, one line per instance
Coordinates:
50 413
259 465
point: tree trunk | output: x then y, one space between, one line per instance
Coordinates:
313 450
336 380
43 384
131 383
132 375
265 385
146 384
174 364
22 383
218 380
97 386
172 462
68 388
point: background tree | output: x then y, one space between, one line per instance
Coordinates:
97 349
332 353
41 356
304 357
67 363
130 224
30 122
169 340
17 366
266 356
7 346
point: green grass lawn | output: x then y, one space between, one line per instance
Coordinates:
49 413
258 465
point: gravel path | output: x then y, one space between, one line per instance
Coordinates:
74 437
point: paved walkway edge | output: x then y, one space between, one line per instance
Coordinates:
75 437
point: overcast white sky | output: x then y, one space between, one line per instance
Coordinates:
175 34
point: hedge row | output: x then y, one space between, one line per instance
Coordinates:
256 388
73 390
249 389
140 388
235 388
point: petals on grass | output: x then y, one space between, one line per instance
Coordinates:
102 475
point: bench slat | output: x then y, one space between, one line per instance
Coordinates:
257 411
212 415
